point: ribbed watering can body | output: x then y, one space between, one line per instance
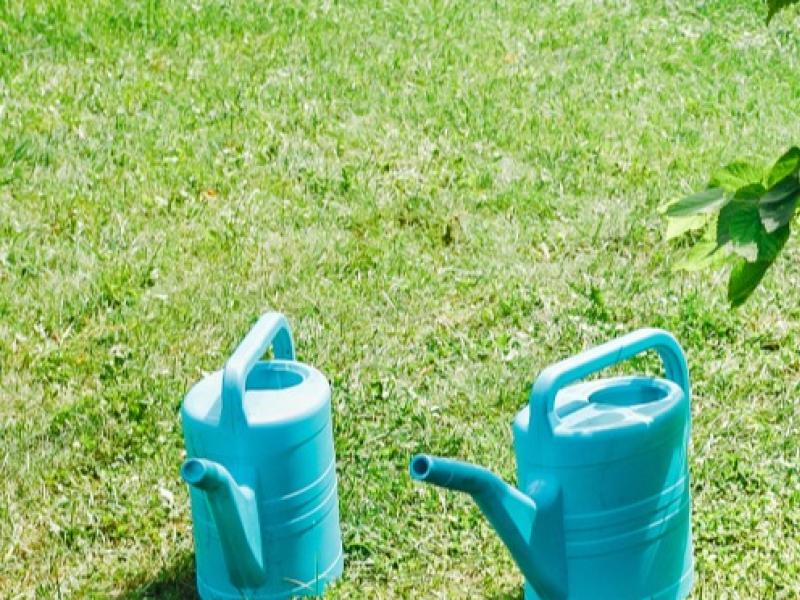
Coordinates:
618 448
611 455
262 473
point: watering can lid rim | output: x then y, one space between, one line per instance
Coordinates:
594 406
294 404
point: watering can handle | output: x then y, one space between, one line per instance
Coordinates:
555 377
270 329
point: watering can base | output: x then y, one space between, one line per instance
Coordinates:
678 591
313 588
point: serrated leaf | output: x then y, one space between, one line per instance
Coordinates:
744 279
745 276
776 207
699 202
786 165
736 175
739 223
774 6
771 244
754 191
677 226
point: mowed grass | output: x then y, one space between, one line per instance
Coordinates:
443 197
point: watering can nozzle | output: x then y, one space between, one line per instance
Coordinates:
202 474
233 509
452 474
516 517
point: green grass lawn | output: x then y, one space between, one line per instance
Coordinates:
443 197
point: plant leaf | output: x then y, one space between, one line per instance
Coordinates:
739 223
786 165
774 6
776 207
736 175
677 226
745 276
771 244
699 202
744 279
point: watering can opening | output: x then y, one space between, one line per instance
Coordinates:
629 392
193 471
278 392
603 405
420 466
275 376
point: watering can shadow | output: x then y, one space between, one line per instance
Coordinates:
603 504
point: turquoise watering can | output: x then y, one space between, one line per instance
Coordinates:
603 505
262 473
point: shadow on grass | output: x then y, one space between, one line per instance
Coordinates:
176 581
515 595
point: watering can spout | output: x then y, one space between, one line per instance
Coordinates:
233 508
530 526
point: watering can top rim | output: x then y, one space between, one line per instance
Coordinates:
249 392
301 395
608 405
541 412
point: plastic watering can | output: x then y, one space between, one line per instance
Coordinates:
262 473
603 505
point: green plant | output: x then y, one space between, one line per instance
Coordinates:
754 207
773 6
